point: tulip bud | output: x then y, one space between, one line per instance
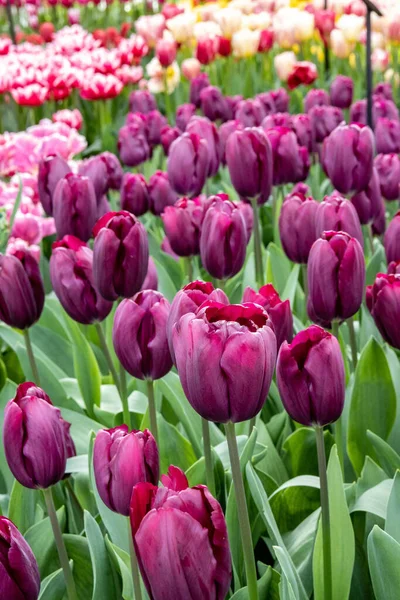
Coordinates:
120 255
297 226
336 276
188 300
391 240
36 438
166 52
155 122
142 101
277 120
74 207
209 347
279 312
280 99
214 104
383 301
133 146
384 90
51 170
378 225
387 136
316 97
225 131
21 289
207 130
190 68
388 167
324 120
184 113
206 50
183 529
197 84
188 163
393 268
347 157
71 274
20 578
341 91
122 459
134 194
248 156
140 335
367 203
223 239
151 279
338 214
182 224
167 136
291 162
250 113
105 172
161 193
305 134
311 378
381 108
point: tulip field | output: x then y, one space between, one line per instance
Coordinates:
199 300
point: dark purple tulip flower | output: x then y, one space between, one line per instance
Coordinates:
341 91
279 311
336 213
388 167
297 226
51 170
161 193
188 164
383 301
134 194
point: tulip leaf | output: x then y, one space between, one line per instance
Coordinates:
121 561
6 394
373 403
300 545
22 506
301 451
392 525
53 586
265 586
384 560
278 268
387 457
41 540
289 291
375 500
78 552
342 538
103 575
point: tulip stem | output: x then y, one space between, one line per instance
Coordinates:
257 243
117 381
305 282
31 357
243 515
62 552
338 424
353 341
326 532
189 266
124 397
134 566
208 457
152 409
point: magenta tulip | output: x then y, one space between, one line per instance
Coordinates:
391 240
367 203
134 194
338 214
341 91
51 170
279 311
291 162
297 226
383 301
188 164
161 193
75 207
388 167
182 224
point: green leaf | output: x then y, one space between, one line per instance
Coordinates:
387 457
290 288
174 448
22 506
373 403
41 540
300 545
279 268
78 551
81 428
301 451
392 525
384 560
86 368
342 538
103 588
375 265
52 344
53 586
6 394
290 574
374 500
264 586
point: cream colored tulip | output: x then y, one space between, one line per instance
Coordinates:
229 20
245 43
182 26
339 45
256 21
351 26
205 29
284 64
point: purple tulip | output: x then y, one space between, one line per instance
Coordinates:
19 573
182 224
142 101
155 122
250 113
276 100
297 226
383 301
388 167
21 289
225 131
120 255
121 460
383 90
225 356
208 131
302 126
151 279
316 97
277 120
341 91
184 530
51 170
105 172
348 157
391 241
248 156
223 239
291 162
75 207
134 194
71 274
393 268
381 107
133 146
324 120
378 225
188 164
214 105
188 300
140 335
338 214
336 276
387 136
198 84
167 136
184 113
279 311
233 102
368 203
311 377
36 438
161 193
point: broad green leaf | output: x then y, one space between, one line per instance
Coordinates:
41 540
291 285
6 394
53 345
373 403
342 538
279 267
78 551
387 457
103 588
375 265
384 560
289 573
300 545
22 506
264 586
53 586
286 590
375 500
121 561
81 428
301 451
371 475
392 525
